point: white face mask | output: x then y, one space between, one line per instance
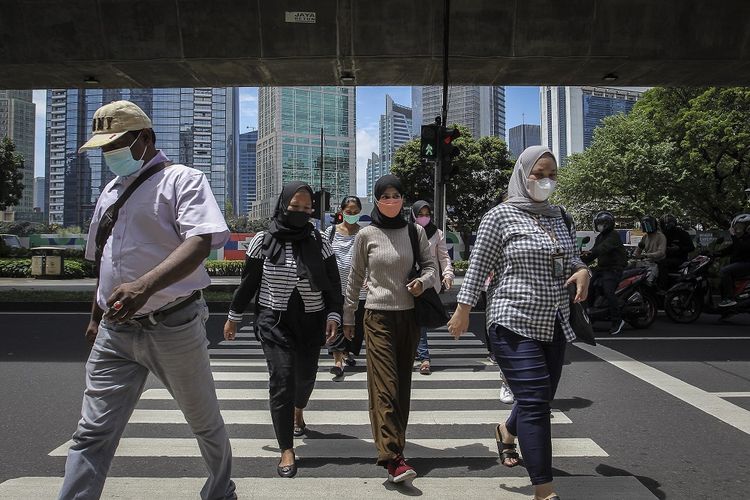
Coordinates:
541 190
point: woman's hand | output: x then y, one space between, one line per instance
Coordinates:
447 282
349 331
331 329
459 322
581 279
230 330
415 288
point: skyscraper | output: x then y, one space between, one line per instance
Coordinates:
570 114
523 136
290 120
395 130
192 126
40 194
17 114
480 109
246 171
374 172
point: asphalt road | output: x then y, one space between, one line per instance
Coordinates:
662 413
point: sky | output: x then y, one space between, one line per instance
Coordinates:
521 106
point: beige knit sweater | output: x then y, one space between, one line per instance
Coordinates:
387 255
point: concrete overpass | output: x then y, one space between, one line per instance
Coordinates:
171 43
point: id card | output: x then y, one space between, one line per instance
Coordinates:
558 265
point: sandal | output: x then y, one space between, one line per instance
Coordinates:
300 430
507 451
424 368
350 361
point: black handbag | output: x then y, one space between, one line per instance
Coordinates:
428 307
579 319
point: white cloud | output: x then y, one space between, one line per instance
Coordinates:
367 143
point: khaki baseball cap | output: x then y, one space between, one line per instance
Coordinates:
114 120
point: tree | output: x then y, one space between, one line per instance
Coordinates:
481 176
685 151
11 174
243 224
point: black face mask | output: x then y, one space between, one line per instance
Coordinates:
296 219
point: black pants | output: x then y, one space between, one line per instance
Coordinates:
729 274
291 342
606 282
532 369
667 266
354 346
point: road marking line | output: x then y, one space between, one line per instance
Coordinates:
342 394
478 363
362 376
711 404
732 394
355 417
607 339
337 448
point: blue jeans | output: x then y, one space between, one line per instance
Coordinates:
532 370
423 350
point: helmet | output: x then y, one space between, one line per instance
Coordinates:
668 222
741 224
648 224
604 221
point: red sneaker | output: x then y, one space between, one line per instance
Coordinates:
399 471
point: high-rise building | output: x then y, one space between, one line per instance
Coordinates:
395 131
290 121
193 126
416 110
569 115
480 109
374 172
523 136
40 195
17 115
246 171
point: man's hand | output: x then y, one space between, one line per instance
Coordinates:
127 300
91 331
349 331
459 322
415 288
332 329
230 330
581 279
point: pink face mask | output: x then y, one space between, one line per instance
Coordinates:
390 208
423 220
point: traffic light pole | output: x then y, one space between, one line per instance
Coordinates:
439 195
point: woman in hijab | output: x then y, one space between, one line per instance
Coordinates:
421 213
384 250
294 272
526 244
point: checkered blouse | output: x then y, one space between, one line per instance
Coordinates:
523 296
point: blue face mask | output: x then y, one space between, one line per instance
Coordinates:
121 162
351 219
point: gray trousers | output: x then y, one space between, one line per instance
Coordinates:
123 355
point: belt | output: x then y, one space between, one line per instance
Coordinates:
156 317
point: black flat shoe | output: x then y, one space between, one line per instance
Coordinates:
299 431
288 471
337 371
350 361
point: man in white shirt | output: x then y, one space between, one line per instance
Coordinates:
149 314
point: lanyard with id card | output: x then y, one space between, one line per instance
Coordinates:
557 257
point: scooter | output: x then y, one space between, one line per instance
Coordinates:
693 293
637 302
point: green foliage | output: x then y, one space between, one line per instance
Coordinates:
11 174
482 173
460 265
685 151
15 268
244 224
224 267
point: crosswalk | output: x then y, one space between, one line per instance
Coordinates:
453 414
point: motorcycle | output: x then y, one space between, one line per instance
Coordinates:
638 303
693 294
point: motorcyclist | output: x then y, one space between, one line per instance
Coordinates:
652 247
739 261
611 257
679 246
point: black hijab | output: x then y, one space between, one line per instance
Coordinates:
378 219
430 228
307 250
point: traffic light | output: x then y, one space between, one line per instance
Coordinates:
448 150
429 144
326 203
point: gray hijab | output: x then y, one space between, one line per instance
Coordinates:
518 193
